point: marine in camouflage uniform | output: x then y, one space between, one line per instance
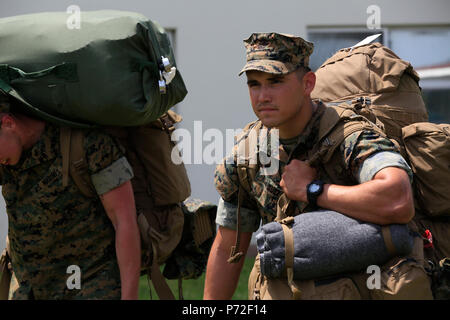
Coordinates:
52 227
363 153
361 156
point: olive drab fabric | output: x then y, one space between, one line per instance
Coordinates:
117 68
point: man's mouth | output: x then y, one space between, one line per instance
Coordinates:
5 162
264 109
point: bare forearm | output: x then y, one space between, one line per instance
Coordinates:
222 277
370 201
128 251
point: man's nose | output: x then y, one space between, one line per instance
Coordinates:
265 95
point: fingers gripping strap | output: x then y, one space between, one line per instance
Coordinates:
289 257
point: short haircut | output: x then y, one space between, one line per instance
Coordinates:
301 71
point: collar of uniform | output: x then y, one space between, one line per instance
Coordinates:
43 150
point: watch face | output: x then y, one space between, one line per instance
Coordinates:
314 188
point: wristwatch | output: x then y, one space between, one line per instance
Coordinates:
313 191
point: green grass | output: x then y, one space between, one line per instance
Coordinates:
193 289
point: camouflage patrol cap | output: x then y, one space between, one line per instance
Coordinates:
276 53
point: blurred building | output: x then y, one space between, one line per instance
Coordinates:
207 36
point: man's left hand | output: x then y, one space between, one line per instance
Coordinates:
295 178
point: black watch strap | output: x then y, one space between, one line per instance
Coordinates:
312 196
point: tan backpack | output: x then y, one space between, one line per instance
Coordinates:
377 74
375 78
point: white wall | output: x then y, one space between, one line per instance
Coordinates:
210 51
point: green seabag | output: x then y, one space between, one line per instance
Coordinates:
110 68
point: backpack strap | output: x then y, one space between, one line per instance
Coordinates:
286 224
246 174
387 237
236 254
160 284
74 160
336 125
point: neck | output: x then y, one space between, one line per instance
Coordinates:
297 124
30 130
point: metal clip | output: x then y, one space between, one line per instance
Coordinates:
166 66
162 83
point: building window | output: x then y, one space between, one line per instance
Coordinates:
426 48
329 40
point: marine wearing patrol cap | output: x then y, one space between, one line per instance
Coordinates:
276 53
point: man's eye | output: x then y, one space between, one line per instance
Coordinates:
277 80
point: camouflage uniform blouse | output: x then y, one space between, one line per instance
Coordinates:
364 153
52 227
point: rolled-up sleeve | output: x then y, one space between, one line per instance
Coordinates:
227 217
106 161
113 176
366 153
372 165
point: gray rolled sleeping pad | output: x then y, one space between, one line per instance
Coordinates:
328 243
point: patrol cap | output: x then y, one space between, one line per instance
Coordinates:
276 53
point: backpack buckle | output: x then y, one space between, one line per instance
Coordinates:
360 102
166 122
165 64
162 84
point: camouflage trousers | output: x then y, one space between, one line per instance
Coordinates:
103 285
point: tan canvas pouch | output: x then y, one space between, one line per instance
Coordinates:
261 288
160 226
404 278
428 149
153 145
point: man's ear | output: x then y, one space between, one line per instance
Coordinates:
309 81
8 122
